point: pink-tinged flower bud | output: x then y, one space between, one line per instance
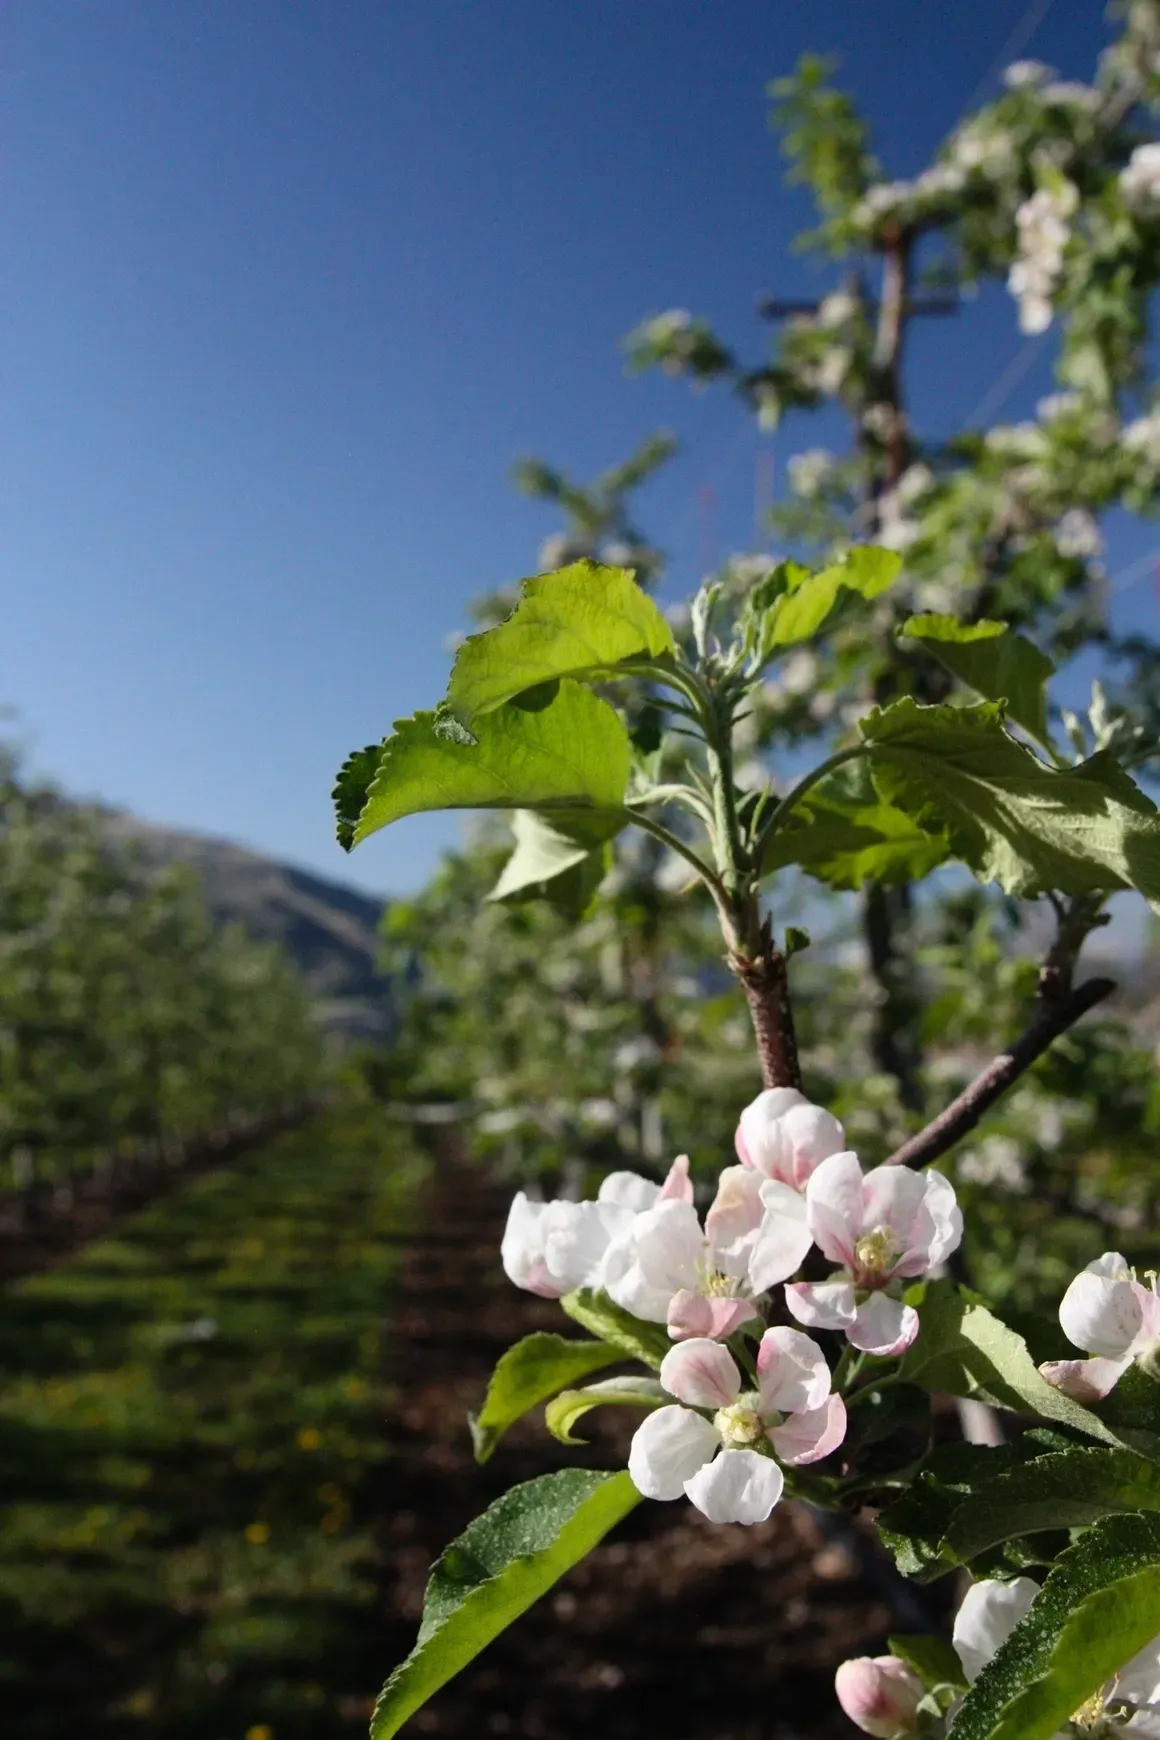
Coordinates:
880 1694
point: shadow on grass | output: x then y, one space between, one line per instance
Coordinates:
193 1459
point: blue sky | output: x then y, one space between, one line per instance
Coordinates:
287 287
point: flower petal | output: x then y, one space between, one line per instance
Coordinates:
880 1694
757 1139
628 1190
658 1256
1085 1380
732 1222
834 1207
792 1373
678 1186
739 1486
893 1198
693 1314
1112 1264
883 1325
702 1373
946 1217
667 1450
822 1304
782 1241
1139 1679
1101 1315
989 1614
522 1249
577 1234
810 1436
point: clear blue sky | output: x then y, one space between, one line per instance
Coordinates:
286 288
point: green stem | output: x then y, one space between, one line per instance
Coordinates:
797 792
676 844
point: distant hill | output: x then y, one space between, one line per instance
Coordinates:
328 929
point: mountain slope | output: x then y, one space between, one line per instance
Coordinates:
328 929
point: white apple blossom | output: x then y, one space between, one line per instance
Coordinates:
1140 181
663 327
988 149
1077 534
664 1268
886 1226
808 471
1071 93
783 1136
551 1247
880 1694
1042 224
1022 75
725 1464
1115 1319
836 309
1143 436
1129 1702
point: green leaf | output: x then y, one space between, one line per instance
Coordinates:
813 601
1099 1606
845 844
581 621
998 664
1014 820
563 859
933 1659
500 1565
570 753
961 1350
350 790
593 1310
915 1526
633 1392
527 1374
1068 1490
1133 1412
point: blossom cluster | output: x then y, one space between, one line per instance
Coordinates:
882 1695
739 1413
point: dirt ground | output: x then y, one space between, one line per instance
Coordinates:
673 1627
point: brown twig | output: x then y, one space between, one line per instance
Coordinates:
765 981
964 1112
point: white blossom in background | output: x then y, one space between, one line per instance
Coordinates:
1016 441
663 327
833 369
836 309
996 1161
725 1465
882 201
1022 75
1077 534
1057 405
559 549
1071 94
942 178
885 1227
1043 229
808 471
897 529
1115 1319
551 1247
880 1694
782 1136
1143 436
990 1612
1140 181
665 1268
989 150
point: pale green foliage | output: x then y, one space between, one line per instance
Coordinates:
562 1413
994 662
581 621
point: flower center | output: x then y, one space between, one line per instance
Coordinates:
1090 1714
740 1424
712 1284
875 1255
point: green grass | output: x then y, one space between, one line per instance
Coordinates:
192 1455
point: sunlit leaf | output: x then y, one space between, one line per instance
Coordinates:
1014 820
582 621
992 659
593 1310
500 1565
845 844
570 752
527 1374
562 1413
813 600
